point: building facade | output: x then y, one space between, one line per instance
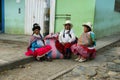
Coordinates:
78 11
107 19
102 14
18 16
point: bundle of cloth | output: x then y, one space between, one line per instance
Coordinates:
50 40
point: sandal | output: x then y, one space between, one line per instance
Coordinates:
82 60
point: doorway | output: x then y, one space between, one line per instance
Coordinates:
1 16
37 11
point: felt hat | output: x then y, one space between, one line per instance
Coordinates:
68 22
88 24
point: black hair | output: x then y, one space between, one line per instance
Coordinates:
89 29
36 26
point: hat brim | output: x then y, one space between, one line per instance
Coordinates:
86 25
68 24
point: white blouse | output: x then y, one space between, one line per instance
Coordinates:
67 38
39 42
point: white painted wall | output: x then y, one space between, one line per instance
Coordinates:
34 13
52 16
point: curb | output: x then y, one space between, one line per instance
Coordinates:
62 73
13 41
15 64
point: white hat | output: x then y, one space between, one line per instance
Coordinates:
68 22
87 24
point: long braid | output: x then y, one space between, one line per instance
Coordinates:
64 34
67 33
42 38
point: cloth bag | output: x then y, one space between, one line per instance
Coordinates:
50 40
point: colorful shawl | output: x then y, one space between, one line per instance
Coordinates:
87 39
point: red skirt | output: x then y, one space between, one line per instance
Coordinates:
39 51
83 51
62 48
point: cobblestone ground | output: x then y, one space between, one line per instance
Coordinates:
106 66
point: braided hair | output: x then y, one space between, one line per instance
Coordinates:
36 26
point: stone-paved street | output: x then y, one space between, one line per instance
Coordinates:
106 66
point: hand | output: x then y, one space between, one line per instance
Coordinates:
62 43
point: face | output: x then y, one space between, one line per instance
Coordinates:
36 31
85 29
67 26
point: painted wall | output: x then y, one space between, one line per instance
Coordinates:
107 21
14 22
80 10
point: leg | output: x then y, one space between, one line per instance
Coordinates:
79 57
48 58
67 50
68 53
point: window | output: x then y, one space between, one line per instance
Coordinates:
117 5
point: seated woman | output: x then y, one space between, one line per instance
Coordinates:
65 39
37 47
85 47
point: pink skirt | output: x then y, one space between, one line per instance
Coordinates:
83 51
39 52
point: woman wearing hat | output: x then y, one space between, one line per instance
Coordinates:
66 37
85 47
37 47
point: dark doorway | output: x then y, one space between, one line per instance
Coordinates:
1 16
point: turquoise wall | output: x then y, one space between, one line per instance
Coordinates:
107 21
81 11
14 22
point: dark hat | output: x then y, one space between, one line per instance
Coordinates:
36 26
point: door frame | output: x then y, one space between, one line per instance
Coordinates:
52 16
3 16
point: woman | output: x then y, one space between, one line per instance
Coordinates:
65 40
85 47
37 47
